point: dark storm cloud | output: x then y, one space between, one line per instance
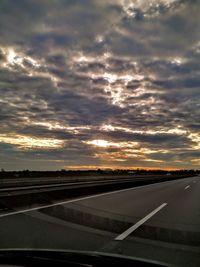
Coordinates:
165 140
92 63
87 111
161 36
192 82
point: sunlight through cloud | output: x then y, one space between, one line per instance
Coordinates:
29 142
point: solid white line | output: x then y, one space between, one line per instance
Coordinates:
138 224
188 186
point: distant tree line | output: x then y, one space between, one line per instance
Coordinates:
66 173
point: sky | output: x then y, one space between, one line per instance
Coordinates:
99 84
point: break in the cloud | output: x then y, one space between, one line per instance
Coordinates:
99 83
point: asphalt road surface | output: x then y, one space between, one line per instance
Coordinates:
158 222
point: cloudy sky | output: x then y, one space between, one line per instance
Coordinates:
99 83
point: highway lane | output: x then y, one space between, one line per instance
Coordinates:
131 205
159 221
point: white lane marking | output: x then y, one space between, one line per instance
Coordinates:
188 186
139 223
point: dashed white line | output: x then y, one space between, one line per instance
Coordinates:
139 223
188 186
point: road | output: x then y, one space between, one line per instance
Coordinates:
158 222
28 185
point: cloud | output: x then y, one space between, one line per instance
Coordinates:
122 72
